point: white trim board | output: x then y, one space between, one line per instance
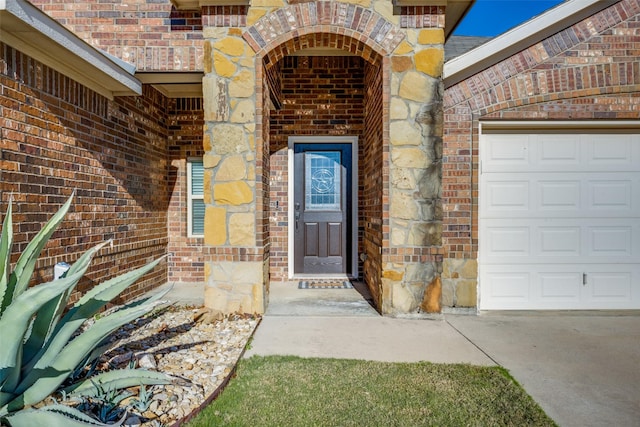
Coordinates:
353 140
521 37
31 31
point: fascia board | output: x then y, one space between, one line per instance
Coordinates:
520 38
29 30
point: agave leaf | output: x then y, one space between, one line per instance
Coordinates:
153 299
21 275
56 416
87 306
36 386
48 316
6 242
112 288
116 380
16 319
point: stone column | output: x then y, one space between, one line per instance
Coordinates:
410 277
234 274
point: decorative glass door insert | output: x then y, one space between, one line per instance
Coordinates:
322 180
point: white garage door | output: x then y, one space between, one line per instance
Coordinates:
559 221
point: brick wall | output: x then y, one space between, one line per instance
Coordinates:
371 182
57 137
186 258
321 96
589 71
150 34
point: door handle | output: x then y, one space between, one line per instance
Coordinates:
297 216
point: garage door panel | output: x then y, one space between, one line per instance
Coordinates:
559 222
559 241
614 195
504 241
606 241
606 152
560 195
547 195
560 286
558 150
534 241
609 286
507 151
581 286
509 289
507 196
567 153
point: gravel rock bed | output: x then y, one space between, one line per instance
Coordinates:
198 349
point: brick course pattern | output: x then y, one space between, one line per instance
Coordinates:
373 182
58 137
185 262
589 71
152 35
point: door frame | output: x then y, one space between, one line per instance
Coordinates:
353 140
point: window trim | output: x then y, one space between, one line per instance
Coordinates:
191 197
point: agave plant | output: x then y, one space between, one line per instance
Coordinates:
43 342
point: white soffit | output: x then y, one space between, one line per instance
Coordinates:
520 38
174 84
29 30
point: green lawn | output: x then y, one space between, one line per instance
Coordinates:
290 391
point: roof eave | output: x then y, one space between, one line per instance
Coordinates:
520 38
29 30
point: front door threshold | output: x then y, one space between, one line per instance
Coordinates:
286 299
322 277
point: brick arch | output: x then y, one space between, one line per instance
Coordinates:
328 24
323 40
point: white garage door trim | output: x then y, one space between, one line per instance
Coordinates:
559 215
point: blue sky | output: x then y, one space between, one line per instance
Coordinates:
494 17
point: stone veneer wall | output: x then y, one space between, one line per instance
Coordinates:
410 277
186 255
58 137
235 270
589 71
239 45
320 96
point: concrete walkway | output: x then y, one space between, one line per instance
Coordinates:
366 338
582 368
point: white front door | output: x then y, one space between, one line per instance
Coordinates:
559 221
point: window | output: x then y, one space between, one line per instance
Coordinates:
195 203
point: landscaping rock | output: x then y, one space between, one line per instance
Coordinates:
199 354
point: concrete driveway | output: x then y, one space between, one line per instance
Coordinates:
582 368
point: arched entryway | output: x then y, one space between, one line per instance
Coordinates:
322 100
372 77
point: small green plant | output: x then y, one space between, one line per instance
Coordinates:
105 405
43 345
143 401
